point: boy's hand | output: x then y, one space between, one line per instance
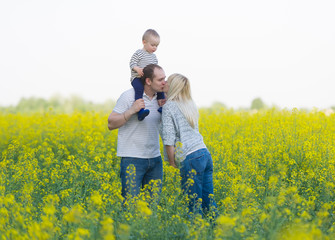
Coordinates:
139 71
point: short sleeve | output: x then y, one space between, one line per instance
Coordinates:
123 103
135 59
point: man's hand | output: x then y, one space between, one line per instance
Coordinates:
161 102
116 120
137 105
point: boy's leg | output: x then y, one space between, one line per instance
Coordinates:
160 95
139 89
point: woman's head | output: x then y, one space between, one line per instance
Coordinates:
179 88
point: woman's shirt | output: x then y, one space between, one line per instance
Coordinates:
175 128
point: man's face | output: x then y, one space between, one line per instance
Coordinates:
158 82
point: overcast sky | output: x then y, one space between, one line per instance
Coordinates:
232 51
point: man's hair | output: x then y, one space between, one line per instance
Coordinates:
149 33
148 72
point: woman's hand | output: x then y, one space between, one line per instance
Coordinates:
173 164
170 153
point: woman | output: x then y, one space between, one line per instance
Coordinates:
184 144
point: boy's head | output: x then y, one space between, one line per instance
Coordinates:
150 40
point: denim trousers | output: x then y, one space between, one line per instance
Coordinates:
197 181
135 173
138 87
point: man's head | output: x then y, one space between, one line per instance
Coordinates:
153 78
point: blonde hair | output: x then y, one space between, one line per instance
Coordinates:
180 92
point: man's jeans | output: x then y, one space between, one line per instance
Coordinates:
138 172
197 180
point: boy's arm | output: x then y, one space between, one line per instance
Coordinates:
135 59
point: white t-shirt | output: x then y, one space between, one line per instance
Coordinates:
136 138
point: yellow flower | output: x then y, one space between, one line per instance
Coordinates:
143 208
263 217
74 215
226 221
273 180
96 199
107 229
241 228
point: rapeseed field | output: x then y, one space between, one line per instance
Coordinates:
273 179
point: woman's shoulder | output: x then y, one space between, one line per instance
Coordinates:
169 105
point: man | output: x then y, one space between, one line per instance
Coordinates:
138 141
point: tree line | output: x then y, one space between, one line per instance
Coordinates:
59 104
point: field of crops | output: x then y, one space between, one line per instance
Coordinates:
273 179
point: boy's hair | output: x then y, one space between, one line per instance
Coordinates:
148 72
149 33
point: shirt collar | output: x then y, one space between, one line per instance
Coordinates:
154 97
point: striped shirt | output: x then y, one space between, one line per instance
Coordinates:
175 128
141 58
136 138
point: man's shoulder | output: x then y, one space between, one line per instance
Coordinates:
125 100
128 93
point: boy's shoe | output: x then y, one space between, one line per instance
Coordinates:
160 109
142 114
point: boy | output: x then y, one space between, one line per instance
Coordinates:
140 59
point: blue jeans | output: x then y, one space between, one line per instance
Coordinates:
199 167
137 172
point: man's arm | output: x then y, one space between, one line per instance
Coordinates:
116 120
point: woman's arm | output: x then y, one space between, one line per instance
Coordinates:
170 154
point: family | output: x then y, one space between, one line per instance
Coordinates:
155 107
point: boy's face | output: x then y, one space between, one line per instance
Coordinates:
150 45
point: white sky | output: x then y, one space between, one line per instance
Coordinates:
232 51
